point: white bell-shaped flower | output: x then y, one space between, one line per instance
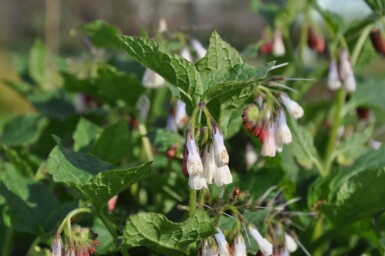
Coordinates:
223 176
197 181
180 114
220 151
269 146
194 163
264 245
209 166
291 244
278 44
239 246
185 53
292 107
223 246
282 132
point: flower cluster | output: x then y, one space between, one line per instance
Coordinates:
79 241
342 76
238 246
270 125
209 164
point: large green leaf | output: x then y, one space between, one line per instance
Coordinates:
23 130
174 68
102 34
156 232
94 179
357 192
85 134
164 139
220 55
31 205
37 63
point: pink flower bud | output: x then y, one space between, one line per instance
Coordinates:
112 203
269 147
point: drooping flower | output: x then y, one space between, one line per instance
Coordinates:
315 42
291 245
264 245
152 80
197 181
378 40
220 152
223 246
162 26
239 246
333 82
171 123
251 155
269 145
222 176
57 246
194 163
209 166
282 132
278 44
198 47
347 74
292 107
208 248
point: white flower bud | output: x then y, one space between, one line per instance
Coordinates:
347 74
268 146
292 107
208 248
278 44
57 246
209 166
162 26
185 53
220 152
223 246
197 181
198 47
264 245
282 132
180 113
291 245
333 79
239 246
151 79
194 163
223 176
374 144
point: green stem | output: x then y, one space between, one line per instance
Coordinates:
337 119
318 231
34 243
360 43
304 36
8 242
146 142
192 202
111 227
69 216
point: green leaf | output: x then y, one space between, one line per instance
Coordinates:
156 232
23 130
95 180
356 192
37 62
85 134
30 203
353 147
220 55
368 94
102 34
303 146
113 143
164 139
114 85
108 183
71 167
174 68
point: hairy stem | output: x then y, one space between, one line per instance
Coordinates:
192 202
